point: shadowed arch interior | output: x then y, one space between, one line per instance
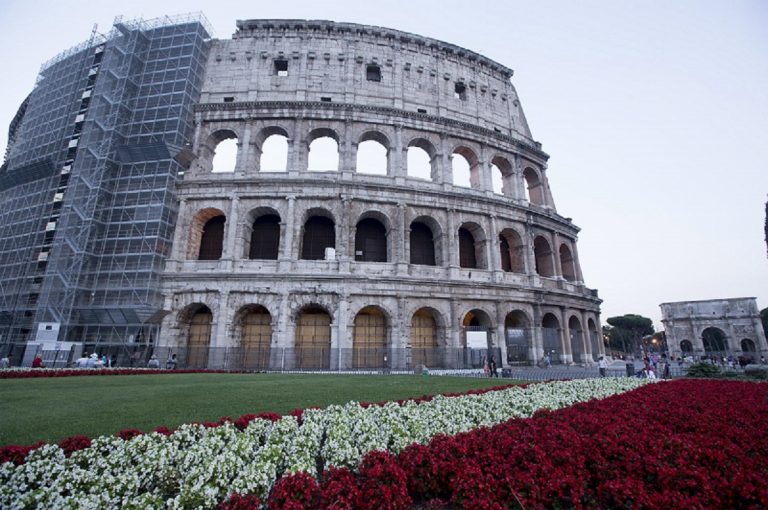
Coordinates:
319 234
265 237
550 327
422 244
543 254
370 241
212 239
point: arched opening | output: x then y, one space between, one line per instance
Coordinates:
461 171
423 342
577 339
501 175
517 336
471 247
715 342
467 257
323 153
369 342
686 347
211 248
225 154
422 244
199 337
512 251
319 234
567 263
256 338
274 154
534 186
212 239
476 338
265 237
370 241
543 254
372 155
420 159
313 338
550 328
748 351
594 339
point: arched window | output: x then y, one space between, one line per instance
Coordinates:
567 263
370 241
461 171
265 237
313 338
420 159
512 251
501 174
323 155
371 158
369 341
535 188
212 239
274 154
467 256
319 234
543 254
225 156
422 244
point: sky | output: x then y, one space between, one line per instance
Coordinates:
654 113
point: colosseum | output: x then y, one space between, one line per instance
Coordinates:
305 195
388 207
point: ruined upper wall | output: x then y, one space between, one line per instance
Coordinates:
328 61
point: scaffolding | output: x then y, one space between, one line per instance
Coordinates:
88 186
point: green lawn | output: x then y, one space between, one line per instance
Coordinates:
51 409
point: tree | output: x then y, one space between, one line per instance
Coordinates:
629 329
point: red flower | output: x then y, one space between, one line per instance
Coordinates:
297 491
74 443
241 502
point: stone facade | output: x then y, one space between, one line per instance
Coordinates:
715 327
500 263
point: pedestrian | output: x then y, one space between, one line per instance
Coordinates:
547 361
38 362
171 363
153 362
486 369
492 367
5 362
602 366
113 361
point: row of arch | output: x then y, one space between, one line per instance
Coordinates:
715 342
372 242
371 337
221 153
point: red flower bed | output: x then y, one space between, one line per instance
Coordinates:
682 444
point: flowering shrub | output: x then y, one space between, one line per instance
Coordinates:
295 492
198 466
74 443
339 490
238 502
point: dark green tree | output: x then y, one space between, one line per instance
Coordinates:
629 329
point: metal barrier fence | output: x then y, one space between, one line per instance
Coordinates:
255 359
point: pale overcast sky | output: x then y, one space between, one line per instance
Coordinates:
654 113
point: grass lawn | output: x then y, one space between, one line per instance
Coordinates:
51 409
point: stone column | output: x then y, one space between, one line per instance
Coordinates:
219 344
180 248
287 253
400 232
244 164
397 157
501 334
566 336
444 174
556 256
451 247
494 243
577 264
345 254
231 232
347 152
589 358
342 343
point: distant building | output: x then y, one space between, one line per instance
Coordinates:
715 327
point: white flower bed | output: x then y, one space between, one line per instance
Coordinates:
197 467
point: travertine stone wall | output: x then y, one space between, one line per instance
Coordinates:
326 93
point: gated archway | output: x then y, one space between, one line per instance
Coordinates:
423 341
199 338
256 338
577 339
550 328
369 342
517 336
313 338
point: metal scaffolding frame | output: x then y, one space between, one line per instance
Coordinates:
88 185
